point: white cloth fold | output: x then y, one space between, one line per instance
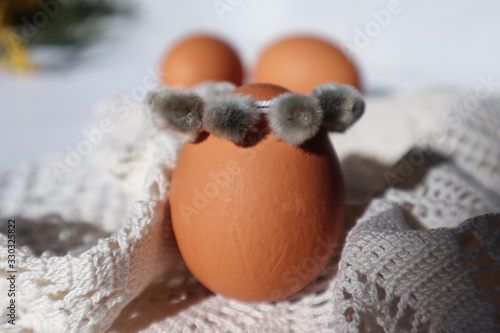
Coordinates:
96 251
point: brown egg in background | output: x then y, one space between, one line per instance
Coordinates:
257 222
200 58
303 62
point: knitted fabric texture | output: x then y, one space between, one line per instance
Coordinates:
96 252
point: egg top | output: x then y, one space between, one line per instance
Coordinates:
301 63
257 222
200 58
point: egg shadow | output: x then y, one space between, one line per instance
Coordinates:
316 145
167 296
256 133
252 137
201 137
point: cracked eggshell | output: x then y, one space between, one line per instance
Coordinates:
257 223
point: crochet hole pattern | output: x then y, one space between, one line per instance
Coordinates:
480 250
426 251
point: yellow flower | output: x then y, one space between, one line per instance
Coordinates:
14 51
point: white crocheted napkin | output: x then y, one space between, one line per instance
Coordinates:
95 250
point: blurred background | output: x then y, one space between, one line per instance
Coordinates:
80 53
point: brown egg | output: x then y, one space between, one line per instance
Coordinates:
200 58
257 222
302 63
